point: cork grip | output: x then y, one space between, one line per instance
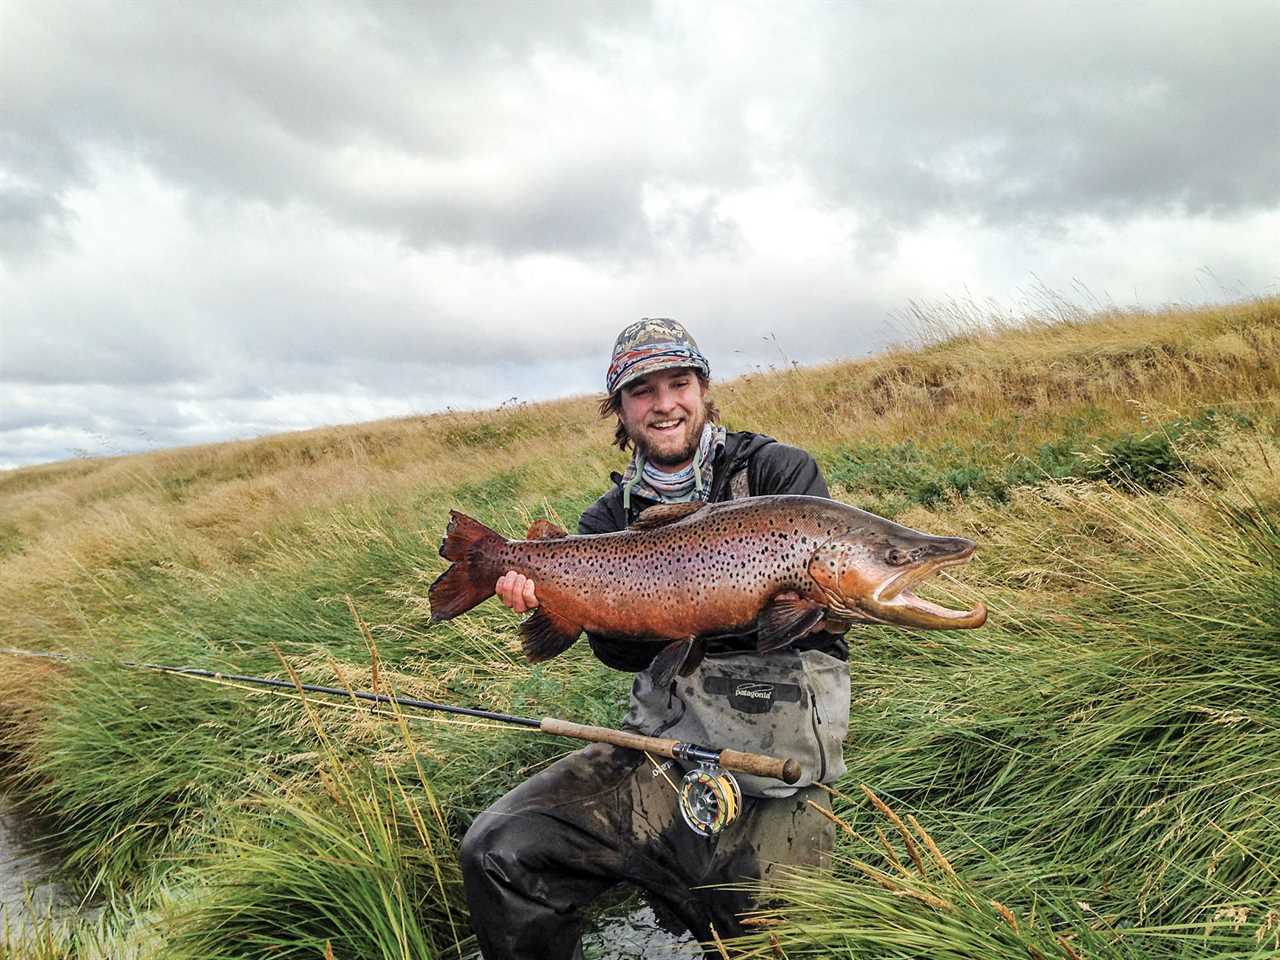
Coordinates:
758 764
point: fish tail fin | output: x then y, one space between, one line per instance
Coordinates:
469 544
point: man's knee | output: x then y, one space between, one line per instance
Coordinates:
488 842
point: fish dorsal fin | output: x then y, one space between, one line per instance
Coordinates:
544 530
547 635
661 514
785 619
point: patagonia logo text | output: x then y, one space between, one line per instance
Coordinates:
748 695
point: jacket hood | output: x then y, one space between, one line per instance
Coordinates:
740 448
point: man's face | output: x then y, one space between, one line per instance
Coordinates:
663 413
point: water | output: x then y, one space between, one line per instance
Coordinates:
632 931
26 890
628 929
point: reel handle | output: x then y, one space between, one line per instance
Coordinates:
757 764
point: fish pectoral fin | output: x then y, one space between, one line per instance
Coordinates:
544 530
678 658
785 619
547 635
697 650
661 514
835 623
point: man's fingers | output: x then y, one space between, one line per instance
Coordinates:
516 591
504 588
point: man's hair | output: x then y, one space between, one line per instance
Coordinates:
611 406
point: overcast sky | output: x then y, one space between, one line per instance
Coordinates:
224 220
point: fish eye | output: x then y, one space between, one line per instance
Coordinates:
896 557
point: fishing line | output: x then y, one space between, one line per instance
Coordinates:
660 768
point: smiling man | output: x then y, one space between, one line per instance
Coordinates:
604 816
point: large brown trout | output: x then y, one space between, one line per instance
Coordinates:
783 566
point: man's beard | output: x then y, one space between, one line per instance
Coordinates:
671 459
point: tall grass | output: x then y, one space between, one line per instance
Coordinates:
1118 758
1101 759
362 868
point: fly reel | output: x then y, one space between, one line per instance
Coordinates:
710 799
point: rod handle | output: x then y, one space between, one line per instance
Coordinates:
758 764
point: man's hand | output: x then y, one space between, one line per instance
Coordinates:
516 591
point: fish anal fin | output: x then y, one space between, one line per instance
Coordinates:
544 530
659 515
785 619
547 635
678 658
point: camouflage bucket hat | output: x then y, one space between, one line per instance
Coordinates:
654 343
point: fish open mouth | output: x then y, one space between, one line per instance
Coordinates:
895 602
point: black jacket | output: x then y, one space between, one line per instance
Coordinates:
772 468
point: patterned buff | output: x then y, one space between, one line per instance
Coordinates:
691 483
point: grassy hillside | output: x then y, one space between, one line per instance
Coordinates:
1095 773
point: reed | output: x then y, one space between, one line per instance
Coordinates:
351 861
1117 754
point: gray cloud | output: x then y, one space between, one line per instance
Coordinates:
304 103
1029 112
36 169
78 420
479 126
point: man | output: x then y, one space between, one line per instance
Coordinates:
534 861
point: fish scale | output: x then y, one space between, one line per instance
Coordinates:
783 566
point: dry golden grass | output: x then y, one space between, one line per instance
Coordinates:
1027 378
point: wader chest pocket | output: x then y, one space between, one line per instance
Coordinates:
753 696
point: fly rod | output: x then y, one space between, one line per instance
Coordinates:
757 764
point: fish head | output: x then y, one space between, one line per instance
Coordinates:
869 572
